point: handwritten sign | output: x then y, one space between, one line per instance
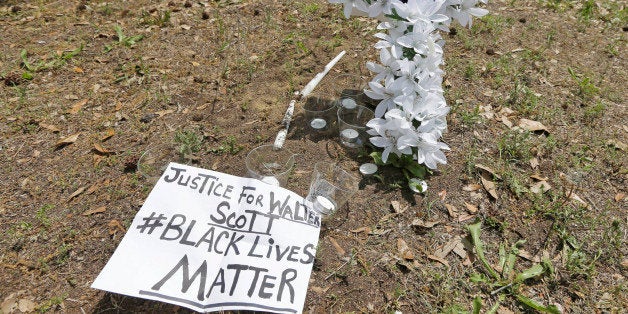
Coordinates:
210 241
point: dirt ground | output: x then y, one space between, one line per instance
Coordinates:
208 81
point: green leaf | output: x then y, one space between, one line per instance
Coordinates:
512 258
475 229
119 32
417 170
495 306
27 76
502 256
531 272
477 305
27 65
377 158
69 55
478 278
536 305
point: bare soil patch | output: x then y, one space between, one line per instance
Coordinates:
208 81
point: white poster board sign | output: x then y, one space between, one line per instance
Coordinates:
210 241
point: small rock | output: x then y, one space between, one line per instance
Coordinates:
490 51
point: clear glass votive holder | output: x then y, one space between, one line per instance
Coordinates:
352 125
270 165
350 86
331 187
320 113
153 162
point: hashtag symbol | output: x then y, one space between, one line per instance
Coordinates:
151 223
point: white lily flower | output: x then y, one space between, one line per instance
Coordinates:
387 69
352 7
379 8
428 148
387 131
421 11
462 10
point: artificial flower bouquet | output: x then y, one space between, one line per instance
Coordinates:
411 111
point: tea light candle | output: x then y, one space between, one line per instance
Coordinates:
349 135
270 180
318 123
368 169
324 205
348 103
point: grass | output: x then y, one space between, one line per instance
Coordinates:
586 89
515 146
57 60
189 142
504 280
123 40
585 243
42 215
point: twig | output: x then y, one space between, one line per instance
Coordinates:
281 136
496 291
337 269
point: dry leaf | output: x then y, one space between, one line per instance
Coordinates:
438 259
404 250
77 70
451 209
504 310
396 206
576 198
419 223
101 150
94 211
532 126
465 217
118 106
471 208
114 226
76 193
26 305
534 162
379 232
506 122
444 250
67 141
442 194
619 197
538 177
339 249
107 134
164 112
540 187
362 229
617 144
488 172
49 127
489 186
460 250
319 290
624 263
525 254
471 187
77 106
